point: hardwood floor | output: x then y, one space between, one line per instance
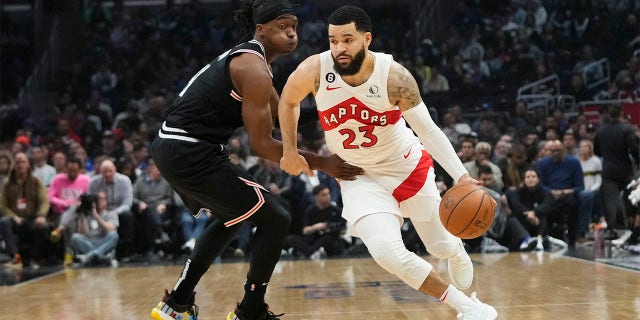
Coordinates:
519 285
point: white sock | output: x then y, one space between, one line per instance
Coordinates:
456 298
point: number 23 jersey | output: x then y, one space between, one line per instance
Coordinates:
359 123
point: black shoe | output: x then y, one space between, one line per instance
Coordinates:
169 309
239 314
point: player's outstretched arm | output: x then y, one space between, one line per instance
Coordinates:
404 92
299 84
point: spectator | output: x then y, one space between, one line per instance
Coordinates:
5 169
436 82
93 229
500 151
487 129
569 143
455 72
9 247
596 72
192 227
562 175
66 188
467 150
617 144
483 152
22 144
60 161
152 194
24 204
41 169
477 67
129 120
104 79
119 193
592 170
506 233
513 167
531 204
451 129
140 157
577 89
110 147
323 229
521 119
64 133
628 91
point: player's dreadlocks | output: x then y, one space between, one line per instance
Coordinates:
252 12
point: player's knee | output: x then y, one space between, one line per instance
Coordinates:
276 218
443 249
389 254
394 257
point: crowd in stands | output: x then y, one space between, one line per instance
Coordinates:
541 168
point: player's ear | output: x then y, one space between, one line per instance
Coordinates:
368 37
260 30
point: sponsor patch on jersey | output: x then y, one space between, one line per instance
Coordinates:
373 92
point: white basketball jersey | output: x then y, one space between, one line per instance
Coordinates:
359 123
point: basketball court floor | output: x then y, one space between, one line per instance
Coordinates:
532 286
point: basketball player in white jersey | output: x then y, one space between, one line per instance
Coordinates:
363 100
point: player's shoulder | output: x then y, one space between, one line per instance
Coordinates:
310 67
311 63
396 68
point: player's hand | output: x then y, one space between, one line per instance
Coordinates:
466 179
295 164
339 169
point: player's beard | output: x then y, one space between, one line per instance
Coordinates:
353 67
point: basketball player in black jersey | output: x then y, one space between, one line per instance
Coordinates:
232 91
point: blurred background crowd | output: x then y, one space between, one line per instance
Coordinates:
516 85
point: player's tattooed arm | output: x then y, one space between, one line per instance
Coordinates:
402 88
316 84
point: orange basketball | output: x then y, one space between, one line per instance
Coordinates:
467 211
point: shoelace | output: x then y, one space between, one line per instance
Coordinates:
465 309
271 315
194 311
459 261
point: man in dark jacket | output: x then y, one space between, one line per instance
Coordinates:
617 144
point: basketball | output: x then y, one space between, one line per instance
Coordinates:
467 211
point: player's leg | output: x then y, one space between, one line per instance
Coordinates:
205 180
272 222
443 245
423 210
380 232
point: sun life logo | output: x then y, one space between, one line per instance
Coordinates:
373 92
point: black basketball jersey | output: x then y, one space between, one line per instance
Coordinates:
209 108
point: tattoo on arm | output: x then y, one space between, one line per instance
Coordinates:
402 88
316 86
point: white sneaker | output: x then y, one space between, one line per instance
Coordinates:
620 241
489 245
461 269
189 244
479 311
539 245
319 254
557 242
634 248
